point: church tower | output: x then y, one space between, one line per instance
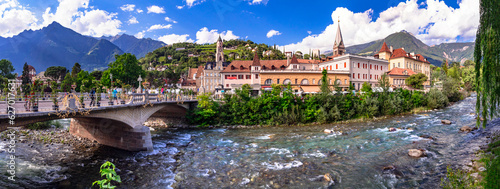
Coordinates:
219 54
338 46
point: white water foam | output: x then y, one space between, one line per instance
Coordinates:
265 137
280 166
317 154
413 138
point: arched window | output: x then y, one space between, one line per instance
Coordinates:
304 82
268 82
319 82
338 82
287 81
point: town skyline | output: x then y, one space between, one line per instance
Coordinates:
433 22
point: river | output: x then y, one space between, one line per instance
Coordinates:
268 157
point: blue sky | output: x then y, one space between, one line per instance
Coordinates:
296 25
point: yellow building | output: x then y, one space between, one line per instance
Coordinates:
399 58
307 81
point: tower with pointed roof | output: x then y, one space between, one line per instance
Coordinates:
338 46
219 54
384 53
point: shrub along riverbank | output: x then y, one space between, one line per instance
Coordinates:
281 107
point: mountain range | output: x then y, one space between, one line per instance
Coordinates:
56 45
455 52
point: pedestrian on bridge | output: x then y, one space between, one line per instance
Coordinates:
114 95
92 97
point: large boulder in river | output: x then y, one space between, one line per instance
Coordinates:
392 129
467 129
416 153
446 122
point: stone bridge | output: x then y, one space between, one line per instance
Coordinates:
120 126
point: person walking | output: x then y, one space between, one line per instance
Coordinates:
114 95
92 97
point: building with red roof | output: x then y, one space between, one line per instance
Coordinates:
399 58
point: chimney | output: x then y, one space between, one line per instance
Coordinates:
412 53
391 50
403 48
287 61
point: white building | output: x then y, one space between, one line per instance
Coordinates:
361 68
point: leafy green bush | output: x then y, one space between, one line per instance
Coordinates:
458 179
436 99
44 125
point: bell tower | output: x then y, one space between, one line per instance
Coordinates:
219 54
338 46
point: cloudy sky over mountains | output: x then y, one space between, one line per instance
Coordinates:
297 25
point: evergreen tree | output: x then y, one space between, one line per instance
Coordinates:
6 69
75 70
26 79
487 58
444 66
325 88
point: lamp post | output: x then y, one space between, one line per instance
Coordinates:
111 78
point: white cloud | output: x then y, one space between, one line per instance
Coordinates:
205 36
159 27
309 32
256 2
173 38
191 3
272 33
128 7
170 20
433 24
92 22
139 10
140 34
14 18
156 9
179 7
133 20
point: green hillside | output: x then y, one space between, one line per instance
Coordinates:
191 55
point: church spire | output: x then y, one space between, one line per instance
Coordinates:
338 47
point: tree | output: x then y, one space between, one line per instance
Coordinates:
26 79
366 87
486 56
416 80
306 56
66 83
56 73
468 63
125 68
75 70
96 74
384 82
6 69
325 88
444 66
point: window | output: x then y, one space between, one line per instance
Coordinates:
268 82
393 65
256 76
345 64
304 82
278 81
370 66
227 85
358 64
248 77
240 76
319 82
358 75
330 81
287 81
337 66
314 81
399 65
294 66
226 76
345 81
295 81
370 76
353 75
330 67
338 82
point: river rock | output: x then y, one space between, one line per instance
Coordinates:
327 177
467 129
416 153
390 167
329 131
392 129
446 122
